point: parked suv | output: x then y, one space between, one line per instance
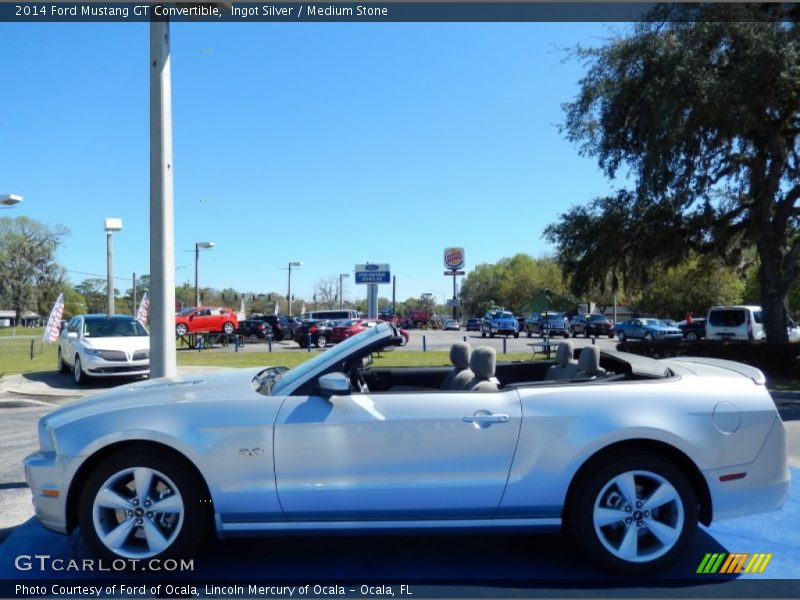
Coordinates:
206 318
335 315
281 328
253 329
546 323
587 324
696 330
735 323
500 322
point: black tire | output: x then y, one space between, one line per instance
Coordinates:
185 533
528 332
321 342
600 499
228 328
483 333
574 334
611 335
63 367
78 374
181 329
586 332
621 336
516 335
691 336
648 337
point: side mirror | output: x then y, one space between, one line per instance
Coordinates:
72 335
334 384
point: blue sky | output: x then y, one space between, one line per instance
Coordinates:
332 144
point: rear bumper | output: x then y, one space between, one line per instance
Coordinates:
765 486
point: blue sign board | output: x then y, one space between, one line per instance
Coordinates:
373 273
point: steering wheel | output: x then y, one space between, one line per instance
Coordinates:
357 379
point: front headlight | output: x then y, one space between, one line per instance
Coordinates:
46 443
91 351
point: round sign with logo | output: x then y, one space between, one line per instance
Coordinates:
454 258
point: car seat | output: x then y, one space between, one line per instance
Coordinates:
482 362
461 374
589 363
566 367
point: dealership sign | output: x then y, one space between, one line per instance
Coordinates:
454 258
373 273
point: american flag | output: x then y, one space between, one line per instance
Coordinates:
241 314
53 329
144 310
303 308
276 308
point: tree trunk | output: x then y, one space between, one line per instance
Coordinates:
773 293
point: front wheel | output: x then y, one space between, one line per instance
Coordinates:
181 329
143 504
77 371
691 336
635 514
648 337
228 328
483 333
621 336
528 332
322 341
516 335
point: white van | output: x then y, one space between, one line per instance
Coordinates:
333 315
735 323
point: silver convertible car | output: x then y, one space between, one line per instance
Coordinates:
626 453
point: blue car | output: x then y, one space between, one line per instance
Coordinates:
500 322
647 329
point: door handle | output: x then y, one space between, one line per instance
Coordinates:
486 419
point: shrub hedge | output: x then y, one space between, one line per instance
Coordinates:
775 360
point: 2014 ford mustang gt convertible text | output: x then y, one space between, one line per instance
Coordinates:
626 453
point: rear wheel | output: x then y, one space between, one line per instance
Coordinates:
635 514
322 341
516 335
648 337
62 366
621 336
691 336
181 329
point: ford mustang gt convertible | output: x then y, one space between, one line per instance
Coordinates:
625 453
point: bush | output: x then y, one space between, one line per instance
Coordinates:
775 360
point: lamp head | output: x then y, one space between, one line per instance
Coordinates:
10 200
112 225
205 245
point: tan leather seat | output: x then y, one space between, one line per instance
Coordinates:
482 362
461 374
566 367
589 363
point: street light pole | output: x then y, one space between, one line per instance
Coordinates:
197 247
341 292
295 264
111 225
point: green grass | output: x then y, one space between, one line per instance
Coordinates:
10 332
15 356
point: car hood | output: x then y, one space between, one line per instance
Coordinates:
663 329
126 343
189 388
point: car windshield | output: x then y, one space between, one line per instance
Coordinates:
287 379
186 312
652 322
598 318
113 328
501 315
555 317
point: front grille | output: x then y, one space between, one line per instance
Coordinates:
141 354
113 355
109 370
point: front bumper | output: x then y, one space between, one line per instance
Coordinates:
97 366
44 472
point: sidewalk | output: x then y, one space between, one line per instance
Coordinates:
55 387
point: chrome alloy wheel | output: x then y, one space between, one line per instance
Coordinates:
638 516
138 513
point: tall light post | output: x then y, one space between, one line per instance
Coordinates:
296 264
111 225
197 247
341 294
10 200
